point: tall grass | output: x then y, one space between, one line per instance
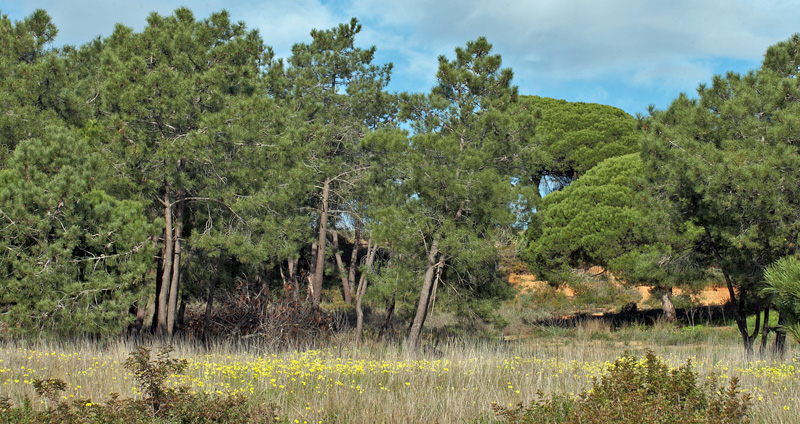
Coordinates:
457 381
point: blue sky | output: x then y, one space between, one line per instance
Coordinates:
627 54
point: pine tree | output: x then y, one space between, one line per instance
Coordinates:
74 259
455 175
161 90
338 95
728 161
608 218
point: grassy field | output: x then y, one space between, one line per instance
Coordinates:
456 382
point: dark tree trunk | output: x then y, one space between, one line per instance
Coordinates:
139 309
159 276
387 320
176 266
738 307
207 315
180 319
779 348
764 333
351 277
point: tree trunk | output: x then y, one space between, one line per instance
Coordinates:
180 320
738 309
362 288
387 319
347 294
415 331
176 266
140 310
207 316
163 295
292 264
159 276
762 350
779 348
319 270
351 277
667 306
312 270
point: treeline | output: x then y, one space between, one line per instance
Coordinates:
187 163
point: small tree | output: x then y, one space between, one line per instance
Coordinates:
455 177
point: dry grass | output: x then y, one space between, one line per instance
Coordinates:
376 383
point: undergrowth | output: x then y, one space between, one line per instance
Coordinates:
638 391
159 404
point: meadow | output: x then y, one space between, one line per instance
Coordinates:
458 381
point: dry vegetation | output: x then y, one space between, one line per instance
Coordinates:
456 382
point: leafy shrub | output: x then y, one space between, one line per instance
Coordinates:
639 391
151 374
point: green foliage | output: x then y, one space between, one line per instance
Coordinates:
151 374
39 85
783 287
726 161
452 179
571 138
608 218
639 390
73 257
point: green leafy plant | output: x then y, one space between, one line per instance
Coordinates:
50 388
152 373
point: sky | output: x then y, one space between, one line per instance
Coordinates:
624 53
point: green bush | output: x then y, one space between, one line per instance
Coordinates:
639 391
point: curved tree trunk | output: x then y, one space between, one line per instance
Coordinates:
387 319
362 288
319 270
667 306
424 301
351 276
738 307
347 293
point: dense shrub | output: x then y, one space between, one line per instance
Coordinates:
639 391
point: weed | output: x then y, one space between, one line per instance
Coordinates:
151 374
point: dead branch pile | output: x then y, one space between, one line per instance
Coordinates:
260 319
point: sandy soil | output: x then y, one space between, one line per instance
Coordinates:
710 296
